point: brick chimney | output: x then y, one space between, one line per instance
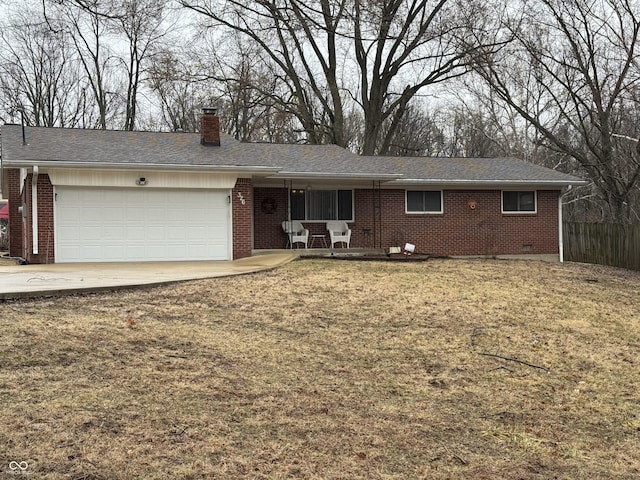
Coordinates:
210 127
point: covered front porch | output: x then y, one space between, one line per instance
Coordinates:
314 206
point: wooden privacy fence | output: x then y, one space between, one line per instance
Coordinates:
603 243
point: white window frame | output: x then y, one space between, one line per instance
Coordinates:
520 212
430 212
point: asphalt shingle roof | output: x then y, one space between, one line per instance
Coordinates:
78 147
504 169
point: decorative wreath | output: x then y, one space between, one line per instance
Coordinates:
268 206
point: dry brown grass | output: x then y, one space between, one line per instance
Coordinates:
331 370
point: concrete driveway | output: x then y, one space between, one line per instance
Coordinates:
19 281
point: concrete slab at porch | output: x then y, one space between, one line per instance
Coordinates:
355 252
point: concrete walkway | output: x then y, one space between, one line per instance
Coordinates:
19 281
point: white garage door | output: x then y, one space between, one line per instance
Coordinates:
97 224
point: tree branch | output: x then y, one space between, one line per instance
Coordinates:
511 359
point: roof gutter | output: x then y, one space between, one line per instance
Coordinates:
332 176
489 183
137 166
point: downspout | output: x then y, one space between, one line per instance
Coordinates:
289 212
34 210
560 229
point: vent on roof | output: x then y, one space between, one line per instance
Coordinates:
210 127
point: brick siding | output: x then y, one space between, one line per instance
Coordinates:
15 218
269 210
20 232
46 231
460 230
242 218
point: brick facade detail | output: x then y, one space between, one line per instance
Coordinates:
241 202
15 217
20 227
257 215
459 230
269 211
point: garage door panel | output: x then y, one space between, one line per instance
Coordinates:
135 233
90 250
156 252
115 232
197 250
68 252
132 224
113 253
91 233
111 214
177 235
136 214
90 214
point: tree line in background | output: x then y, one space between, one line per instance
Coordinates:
555 82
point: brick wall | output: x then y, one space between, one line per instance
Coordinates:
269 211
15 218
46 245
241 201
481 231
458 231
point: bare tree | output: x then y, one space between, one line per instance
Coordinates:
138 24
169 79
418 133
87 29
330 53
573 74
142 24
38 75
402 47
289 37
257 105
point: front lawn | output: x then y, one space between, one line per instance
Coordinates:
329 369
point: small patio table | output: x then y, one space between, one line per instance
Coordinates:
321 238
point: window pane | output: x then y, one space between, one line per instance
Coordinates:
345 204
424 201
432 202
322 205
297 204
415 201
527 202
510 201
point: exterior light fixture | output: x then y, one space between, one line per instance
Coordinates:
142 181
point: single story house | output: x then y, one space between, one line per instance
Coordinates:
108 196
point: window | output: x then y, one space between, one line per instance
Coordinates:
322 205
519 202
424 201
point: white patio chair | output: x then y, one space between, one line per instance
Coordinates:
339 232
295 233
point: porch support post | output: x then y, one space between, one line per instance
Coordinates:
289 212
34 211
